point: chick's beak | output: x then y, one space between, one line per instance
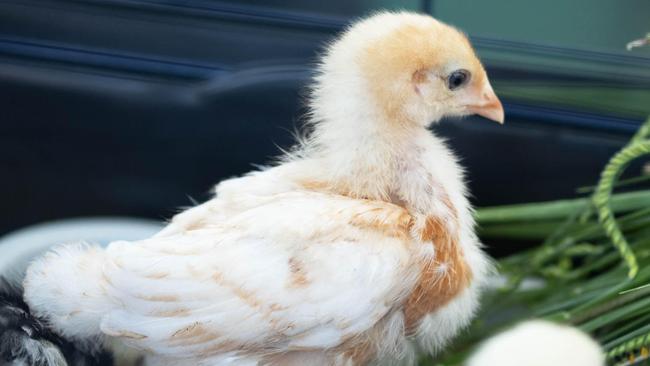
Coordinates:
486 104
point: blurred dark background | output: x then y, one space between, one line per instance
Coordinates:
130 107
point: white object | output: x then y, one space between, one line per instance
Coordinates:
19 247
539 343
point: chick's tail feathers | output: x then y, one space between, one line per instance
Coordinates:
67 288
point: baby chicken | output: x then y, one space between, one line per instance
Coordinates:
357 246
25 340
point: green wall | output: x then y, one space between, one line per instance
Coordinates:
601 25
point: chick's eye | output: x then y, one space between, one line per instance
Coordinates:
457 79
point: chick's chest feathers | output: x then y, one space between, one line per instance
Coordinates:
442 276
431 186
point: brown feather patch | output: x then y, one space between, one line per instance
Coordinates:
248 297
385 217
298 273
388 219
340 188
361 353
156 275
160 298
315 185
441 278
193 330
196 225
197 334
180 312
128 334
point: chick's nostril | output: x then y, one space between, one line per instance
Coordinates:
487 97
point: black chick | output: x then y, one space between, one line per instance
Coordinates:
26 341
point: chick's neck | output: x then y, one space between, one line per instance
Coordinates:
381 160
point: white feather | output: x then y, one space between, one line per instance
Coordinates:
66 286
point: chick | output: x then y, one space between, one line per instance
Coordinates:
539 343
26 341
356 246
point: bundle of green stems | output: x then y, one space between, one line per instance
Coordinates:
586 264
